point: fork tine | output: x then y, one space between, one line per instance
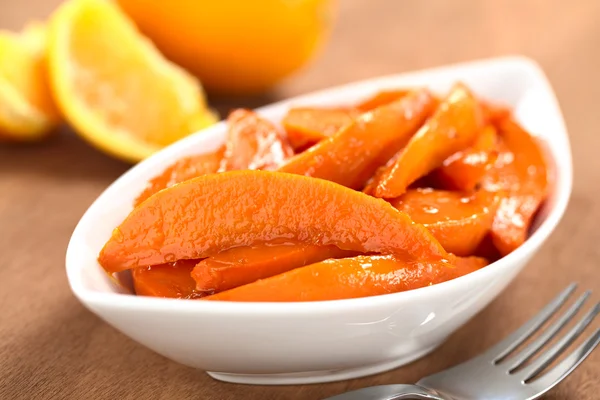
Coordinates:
548 334
566 366
557 349
502 349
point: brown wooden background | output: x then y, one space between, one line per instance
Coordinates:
51 347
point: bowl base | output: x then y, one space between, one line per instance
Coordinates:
303 378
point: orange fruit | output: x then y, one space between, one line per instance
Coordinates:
114 86
235 46
27 111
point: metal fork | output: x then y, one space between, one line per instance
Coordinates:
495 374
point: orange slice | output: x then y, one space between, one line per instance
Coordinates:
114 86
27 111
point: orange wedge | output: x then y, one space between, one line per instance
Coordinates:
27 111
114 86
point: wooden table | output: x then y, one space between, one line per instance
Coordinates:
51 347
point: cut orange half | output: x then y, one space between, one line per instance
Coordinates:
114 86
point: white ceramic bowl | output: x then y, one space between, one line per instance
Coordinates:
293 343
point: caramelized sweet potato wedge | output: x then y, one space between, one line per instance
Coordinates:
306 126
452 128
338 160
352 155
308 122
242 265
459 221
379 172
182 170
347 278
212 213
520 171
172 280
487 250
464 169
381 98
494 113
250 221
253 143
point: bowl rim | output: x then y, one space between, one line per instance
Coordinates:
562 191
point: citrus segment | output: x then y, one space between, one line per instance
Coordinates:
114 87
27 110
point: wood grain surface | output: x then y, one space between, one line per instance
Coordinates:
53 348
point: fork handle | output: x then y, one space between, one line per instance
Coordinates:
389 392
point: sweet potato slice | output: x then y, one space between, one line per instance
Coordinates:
379 172
355 152
494 113
253 143
352 155
182 170
206 215
487 250
452 128
381 98
242 265
168 280
306 126
459 221
520 171
464 170
264 262
347 278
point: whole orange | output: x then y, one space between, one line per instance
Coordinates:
235 46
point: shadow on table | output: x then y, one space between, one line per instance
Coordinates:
63 156
224 105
